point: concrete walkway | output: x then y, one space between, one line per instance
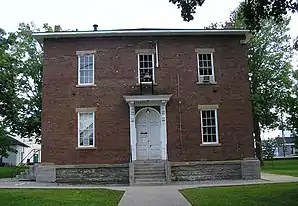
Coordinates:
168 195
153 196
165 195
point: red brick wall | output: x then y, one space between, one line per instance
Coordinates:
116 75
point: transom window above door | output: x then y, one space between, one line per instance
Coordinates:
86 69
146 68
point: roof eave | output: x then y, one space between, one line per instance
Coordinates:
48 35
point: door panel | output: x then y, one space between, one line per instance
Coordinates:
148 135
142 137
154 136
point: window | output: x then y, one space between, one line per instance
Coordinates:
209 126
146 68
86 129
205 67
86 69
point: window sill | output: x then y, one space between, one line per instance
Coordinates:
86 148
154 84
206 83
211 145
86 85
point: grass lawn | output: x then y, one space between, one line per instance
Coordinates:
283 167
267 194
54 197
5 172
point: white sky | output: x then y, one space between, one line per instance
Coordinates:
116 14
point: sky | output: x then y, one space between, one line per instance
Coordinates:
117 14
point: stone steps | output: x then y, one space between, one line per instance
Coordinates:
149 172
27 175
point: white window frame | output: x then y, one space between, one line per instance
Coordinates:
212 65
78 128
216 125
79 75
153 66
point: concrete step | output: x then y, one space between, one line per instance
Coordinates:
145 176
27 175
149 172
149 161
150 181
149 166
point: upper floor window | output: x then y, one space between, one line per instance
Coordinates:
146 71
209 126
86 69
205 66
86 129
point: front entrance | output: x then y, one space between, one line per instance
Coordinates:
148 134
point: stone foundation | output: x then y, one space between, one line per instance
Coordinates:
124 173
93 174
215 170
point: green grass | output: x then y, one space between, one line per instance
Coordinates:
254 195
5 172
57 197
283 167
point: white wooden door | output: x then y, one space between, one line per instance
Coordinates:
148 135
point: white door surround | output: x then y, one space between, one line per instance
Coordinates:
140 121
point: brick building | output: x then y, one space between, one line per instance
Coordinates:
116 104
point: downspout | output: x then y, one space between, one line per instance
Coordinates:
179 114
156 53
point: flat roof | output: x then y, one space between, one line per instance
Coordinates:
40 36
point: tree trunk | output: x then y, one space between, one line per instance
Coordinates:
257 132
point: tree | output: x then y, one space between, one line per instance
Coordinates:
270 69
20 81
270 72
292 120
29 68
254 11
8 93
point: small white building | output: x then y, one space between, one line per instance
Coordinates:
25 148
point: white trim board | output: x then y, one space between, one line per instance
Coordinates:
136 98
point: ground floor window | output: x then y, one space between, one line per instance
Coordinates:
86 129
209 127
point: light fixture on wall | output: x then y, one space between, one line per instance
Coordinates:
147 111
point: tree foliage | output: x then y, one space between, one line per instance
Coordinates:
254 11
270 72
269 147
7 92
20 82
29 69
